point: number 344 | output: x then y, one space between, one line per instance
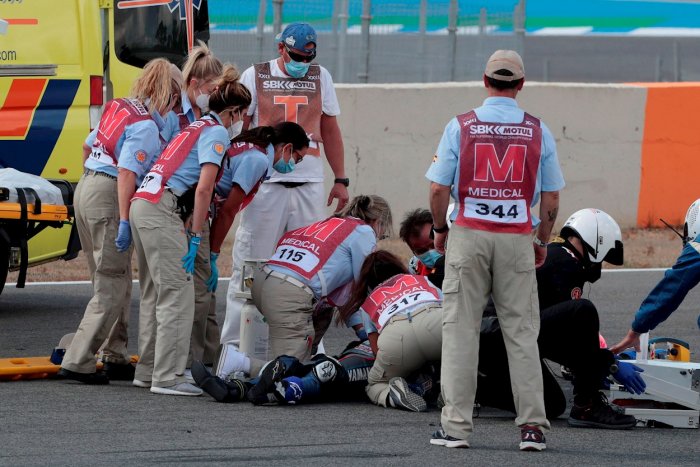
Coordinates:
485 210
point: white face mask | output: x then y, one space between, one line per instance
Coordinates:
235 129
202 102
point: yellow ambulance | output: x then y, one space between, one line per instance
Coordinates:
59 61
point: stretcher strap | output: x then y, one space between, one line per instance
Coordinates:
24 256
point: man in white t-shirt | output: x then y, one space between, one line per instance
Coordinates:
288 88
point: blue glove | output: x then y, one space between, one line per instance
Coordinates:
123 239
628 375
293 389
213 280
188 259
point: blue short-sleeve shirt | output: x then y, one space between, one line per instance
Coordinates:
445 167
245 170
210 148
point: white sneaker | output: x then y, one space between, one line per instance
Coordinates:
141 384
182 389
188 376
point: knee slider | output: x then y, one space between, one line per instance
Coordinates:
326 368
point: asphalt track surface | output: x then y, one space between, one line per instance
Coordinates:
46 422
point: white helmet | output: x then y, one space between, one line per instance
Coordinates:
692 222
599 233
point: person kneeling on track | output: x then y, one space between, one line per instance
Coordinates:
402 316
569 329
312 266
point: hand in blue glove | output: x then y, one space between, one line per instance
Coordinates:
213 280
123 239
188 259
629 376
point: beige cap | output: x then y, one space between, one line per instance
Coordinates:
505 60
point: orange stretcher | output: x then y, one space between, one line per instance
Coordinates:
20 221
46 213
23 368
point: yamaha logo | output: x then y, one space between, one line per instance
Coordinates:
289 85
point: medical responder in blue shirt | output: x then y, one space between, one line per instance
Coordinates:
669 293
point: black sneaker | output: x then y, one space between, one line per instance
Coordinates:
531 439
97 378
271 375
220 390
600 414
401 396
119 372
440 438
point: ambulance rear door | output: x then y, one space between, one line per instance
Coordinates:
141 30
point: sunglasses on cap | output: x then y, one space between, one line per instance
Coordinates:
299 57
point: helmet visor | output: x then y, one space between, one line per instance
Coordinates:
616 255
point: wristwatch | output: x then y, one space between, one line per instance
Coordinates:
442 229
539 242
343 181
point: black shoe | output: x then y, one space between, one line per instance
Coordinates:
440 438
600 414
271 375
119 371
220 390
87 378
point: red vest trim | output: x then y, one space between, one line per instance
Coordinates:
307 249
236 150
118 114
397 294
170 160
498 165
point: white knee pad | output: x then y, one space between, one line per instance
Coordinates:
327 370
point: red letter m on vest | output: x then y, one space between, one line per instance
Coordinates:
390 290
511 167
320 230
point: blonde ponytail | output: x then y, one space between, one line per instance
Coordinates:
157 84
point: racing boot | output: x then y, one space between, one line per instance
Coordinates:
599 413
220 390
269 386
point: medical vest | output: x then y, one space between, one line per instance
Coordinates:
498 165
170 160
307 249
286 99
118 114
397 295
236 150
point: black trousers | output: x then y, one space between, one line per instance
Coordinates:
568 336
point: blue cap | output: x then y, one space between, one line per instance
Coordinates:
298 36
